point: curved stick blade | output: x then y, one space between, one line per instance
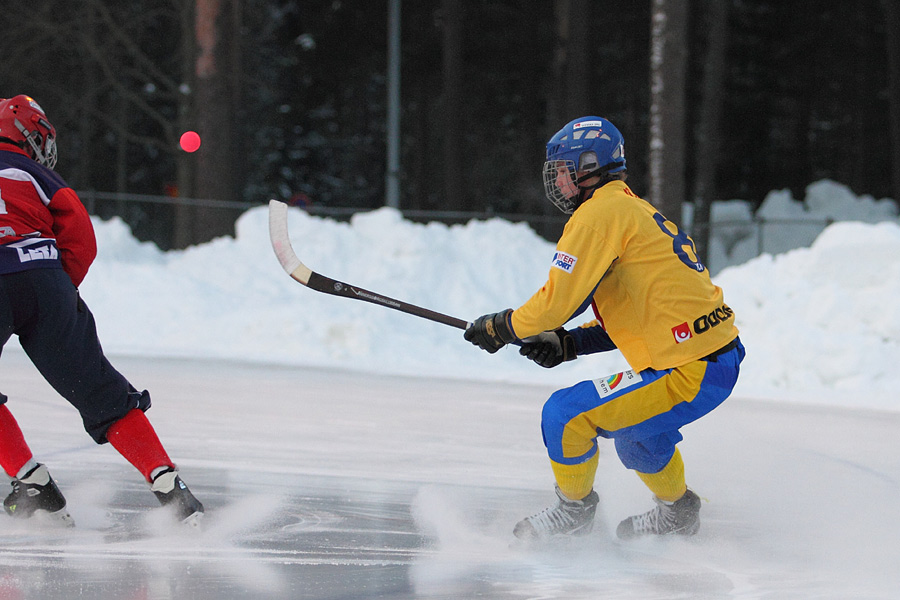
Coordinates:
281 243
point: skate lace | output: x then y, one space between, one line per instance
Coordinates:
658 520
552 519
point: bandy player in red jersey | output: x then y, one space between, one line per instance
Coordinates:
653 301
47 244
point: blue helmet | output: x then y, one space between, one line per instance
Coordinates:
586 147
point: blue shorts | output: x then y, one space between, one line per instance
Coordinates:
641 411
57 331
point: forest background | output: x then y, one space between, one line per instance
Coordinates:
717 100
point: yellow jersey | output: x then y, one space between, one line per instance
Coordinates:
655 299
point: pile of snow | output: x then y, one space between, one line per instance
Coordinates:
782 223
821 324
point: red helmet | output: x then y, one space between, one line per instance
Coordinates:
23 123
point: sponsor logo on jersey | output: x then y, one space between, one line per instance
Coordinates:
706 322
701 324
564 262
682 332
35 249
616 383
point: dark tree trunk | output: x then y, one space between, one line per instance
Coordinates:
569 96
668 65
213 115
709 137
185 164
454 188
892 30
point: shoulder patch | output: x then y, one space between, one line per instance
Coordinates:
564 262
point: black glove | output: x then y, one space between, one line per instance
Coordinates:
491 332
550 348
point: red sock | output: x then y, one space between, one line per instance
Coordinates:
135 439
14 452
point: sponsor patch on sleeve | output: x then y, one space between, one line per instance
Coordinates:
616 383
564 262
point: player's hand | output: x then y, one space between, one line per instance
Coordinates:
491 332
550 348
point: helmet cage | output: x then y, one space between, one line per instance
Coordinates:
43 147
562 182
560 185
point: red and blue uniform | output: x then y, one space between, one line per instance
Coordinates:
43 223
47 244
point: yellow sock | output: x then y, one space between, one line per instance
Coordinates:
576 481
668 484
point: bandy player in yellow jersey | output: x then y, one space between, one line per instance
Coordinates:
654 301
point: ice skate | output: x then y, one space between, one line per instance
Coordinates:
37 491
170 490
567 517
681 517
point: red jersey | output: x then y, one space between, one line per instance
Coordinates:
43 223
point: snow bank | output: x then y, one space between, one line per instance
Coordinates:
821 324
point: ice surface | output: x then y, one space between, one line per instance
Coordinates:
322 483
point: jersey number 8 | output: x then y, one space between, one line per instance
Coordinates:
682 244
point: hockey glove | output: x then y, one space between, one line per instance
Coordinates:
491 332
550 348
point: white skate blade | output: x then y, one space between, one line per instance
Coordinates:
193 521
60 518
